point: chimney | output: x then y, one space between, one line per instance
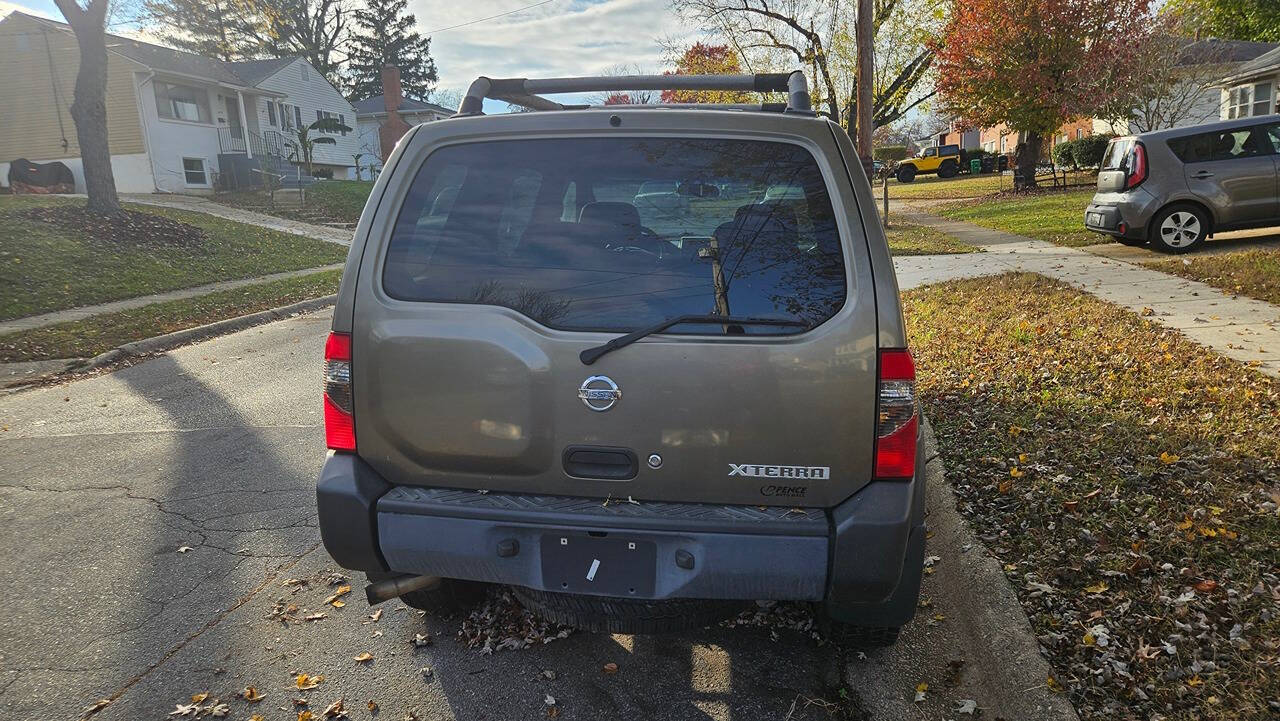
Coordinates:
393 126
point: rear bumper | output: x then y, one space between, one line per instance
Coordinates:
863 556
1122 215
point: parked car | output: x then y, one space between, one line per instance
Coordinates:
943 160
1174 188
638 422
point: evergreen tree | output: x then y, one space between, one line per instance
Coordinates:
384 35
222 29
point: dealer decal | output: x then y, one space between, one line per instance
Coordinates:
752 470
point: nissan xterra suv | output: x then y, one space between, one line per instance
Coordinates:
643 364
943 160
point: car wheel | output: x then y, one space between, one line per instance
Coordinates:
602 614
1179 228
948 169
906 174
445 598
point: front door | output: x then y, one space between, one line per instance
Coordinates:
233 117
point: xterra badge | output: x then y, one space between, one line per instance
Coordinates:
751 470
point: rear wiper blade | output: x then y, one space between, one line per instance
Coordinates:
591 355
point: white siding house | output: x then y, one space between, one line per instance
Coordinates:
1251 89
372 112
178 122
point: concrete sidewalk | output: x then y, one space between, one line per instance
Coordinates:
1242 328
63 316
201 205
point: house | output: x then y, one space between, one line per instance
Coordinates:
177 122
953 135
1250 88
372 114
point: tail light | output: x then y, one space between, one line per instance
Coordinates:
897 420
339 412
1137 167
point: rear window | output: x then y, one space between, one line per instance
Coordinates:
1116 151
615 234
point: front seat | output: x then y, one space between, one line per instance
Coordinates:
614 225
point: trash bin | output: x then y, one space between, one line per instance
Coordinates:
975 166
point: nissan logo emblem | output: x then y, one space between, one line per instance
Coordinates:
599 393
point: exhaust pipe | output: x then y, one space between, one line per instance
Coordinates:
395 587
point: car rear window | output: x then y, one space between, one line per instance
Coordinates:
1115 153
615 234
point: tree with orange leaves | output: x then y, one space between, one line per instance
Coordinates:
702 59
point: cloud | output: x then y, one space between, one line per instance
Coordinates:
561 38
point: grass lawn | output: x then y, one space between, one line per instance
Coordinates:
342 199
907 238
100 333
1127 479
932 187
45 268
1255 273
1055 216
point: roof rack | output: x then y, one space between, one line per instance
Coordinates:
527 93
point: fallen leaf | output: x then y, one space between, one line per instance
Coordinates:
1194 681
553 712
199 697
376 615
610 668
251 694
342 591
420 640
427 671
1099 587
184 549
1185 524
920 690
305 716
968 706
219 710
257 717
549 700
1206 585
373 705
366 656
1016 473
335 710
185 709
1089 639
1053 684
315 616
1168 458
305 682
339 604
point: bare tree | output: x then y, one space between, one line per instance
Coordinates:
631 97
1173 85
314 29
818 35
89 108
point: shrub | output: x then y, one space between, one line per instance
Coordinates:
889 152
1089 151
1064 154
325 173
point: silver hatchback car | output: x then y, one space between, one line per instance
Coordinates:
1173 188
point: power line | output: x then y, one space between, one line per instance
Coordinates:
491 17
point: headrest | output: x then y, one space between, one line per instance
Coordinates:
755 215
610 213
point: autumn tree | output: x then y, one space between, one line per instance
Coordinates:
89 106
1257 20
817 36
702 59
1036 64
385 35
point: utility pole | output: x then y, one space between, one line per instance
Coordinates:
865 73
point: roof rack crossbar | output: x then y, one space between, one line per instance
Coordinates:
525 92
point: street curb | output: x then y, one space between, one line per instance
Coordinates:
177 338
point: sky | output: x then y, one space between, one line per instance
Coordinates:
552 39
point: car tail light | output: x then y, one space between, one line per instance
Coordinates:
896 417
339 412
1137 167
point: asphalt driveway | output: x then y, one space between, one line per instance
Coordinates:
156 522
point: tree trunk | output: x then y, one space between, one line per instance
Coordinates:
89 111
1027 156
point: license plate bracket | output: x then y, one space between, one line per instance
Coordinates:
605 565
1095 219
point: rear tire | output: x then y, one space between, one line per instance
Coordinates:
906 174
948 169
600 614
1179 228
849 636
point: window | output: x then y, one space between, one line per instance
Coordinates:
1223 145
1004 144
930 152
193 171
342 120
297 117
614 234
1117 150
1079 133
271 113
1245 101
181 102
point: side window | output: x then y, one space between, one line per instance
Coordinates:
1224 145
930 152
